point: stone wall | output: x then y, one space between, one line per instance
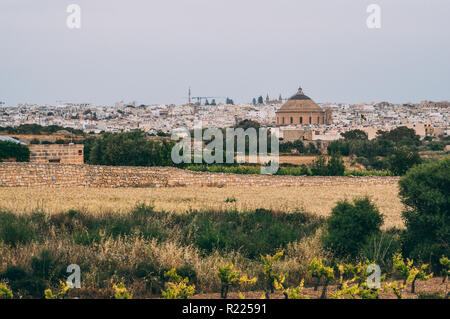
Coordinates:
57 153
67 175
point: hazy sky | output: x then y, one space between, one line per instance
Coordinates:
151 51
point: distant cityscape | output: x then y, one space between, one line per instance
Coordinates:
428 118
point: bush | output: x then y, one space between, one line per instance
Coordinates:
252 233
319 166
425 190
380 248
350 226
13 150
15 230
335 166
403 159
128 149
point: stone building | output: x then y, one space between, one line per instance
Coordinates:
57 153
301 110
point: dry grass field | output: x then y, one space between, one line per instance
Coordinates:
313 199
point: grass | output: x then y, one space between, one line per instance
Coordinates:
195 230
138 247
283 170
315 199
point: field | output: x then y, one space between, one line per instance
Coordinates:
317 200
135 235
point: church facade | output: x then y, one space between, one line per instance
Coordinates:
300 110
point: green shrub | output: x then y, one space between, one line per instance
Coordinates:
425 190
5 292
319 166
402 159
23 283
380 247
252 233
335 166
47 268
350 226
13 150
15 229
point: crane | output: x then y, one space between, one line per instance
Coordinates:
201 98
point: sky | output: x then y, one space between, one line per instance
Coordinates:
152 51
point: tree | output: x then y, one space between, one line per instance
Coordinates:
245 124
254 101
351 225
402 159
260 100
355 135
425 190
19 152
400 135
319 166
128 149
335 166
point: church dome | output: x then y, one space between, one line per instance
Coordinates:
300 103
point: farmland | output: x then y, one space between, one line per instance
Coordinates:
317 200
136 235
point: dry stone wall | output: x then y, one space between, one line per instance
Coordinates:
67 175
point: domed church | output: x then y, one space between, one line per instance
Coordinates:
301 110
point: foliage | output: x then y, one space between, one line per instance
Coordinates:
15 230
402 159
360 275
380 248
290 293
19 152
319 271
63 289
398 145
395 287
283 170
178 288
230 277
121 292
409 272
127 149
270 276
350 226
5 292
400 136
425 190
245 124
36 129
445 262
299 147
335 166
45 271
319 166
252 233
355 135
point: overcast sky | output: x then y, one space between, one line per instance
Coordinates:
151 51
